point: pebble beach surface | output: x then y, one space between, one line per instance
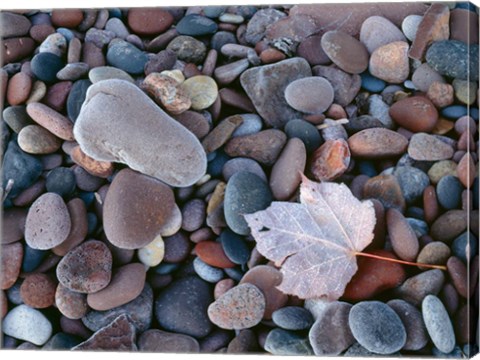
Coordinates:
135 141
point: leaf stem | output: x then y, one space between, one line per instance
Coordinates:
441 267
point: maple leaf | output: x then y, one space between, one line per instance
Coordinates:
316 241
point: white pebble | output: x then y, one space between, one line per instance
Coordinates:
25 323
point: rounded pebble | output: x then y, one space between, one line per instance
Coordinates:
438 323
25 323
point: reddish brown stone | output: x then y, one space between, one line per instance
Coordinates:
330 160
19 88
211 252
30 194
149 21
374 276
464 26
13 225
415 113
16 49
377 143
74 327
430 204
311 50
238 100
69 18
465 324
11 262
41 31
191 70
53 121
38 291
92 55
71 304
385 188
94 167
270 56
221 133
267 278
195 122
57 95
78 232
433 27
402 237
458 274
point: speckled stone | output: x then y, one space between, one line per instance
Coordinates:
25 323
438 323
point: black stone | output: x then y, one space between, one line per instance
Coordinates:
234 247
76 97
61 181
182 307
306 132
62 341
45 66
449 192
32 258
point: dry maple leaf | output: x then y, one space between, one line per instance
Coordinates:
317 240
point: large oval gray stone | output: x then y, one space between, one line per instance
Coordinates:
120 123
438 323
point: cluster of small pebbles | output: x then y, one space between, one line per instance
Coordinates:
134 141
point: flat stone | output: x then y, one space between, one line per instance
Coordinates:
155 340
53 121
267 91
244 342
149 21
449 192
311 50
18 48
71 304
11 262
345 51
25 323
34 139
167 92
415 113
260 21
380 110
306 132
182 307
55 43
126 223
13 225
448 58
196 25
425 147
19 88
207 272
139 310
164 60
13 25
377 143
117 336
69 18
449 225
16 117
345 86
241 307
433 27
126 56
390 62
87 268
330 335
285 176
412 320
108 72
112 133
417 287
235 248
212 253
464 26
402 237
118 28
195 122
284 342
45 66
188 49
424 76
434 253
245 193
377 31
438 323
202 91
38 291
76 98
410 26
311 95
48 222
377 327
292 318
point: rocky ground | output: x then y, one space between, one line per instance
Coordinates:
134 141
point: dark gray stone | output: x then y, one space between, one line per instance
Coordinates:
61 181
306 132
449 192
235 247
417 287
45 66
412 181
221 38
292 318
76 97
196 25
459 246
126 56
377 327
284 342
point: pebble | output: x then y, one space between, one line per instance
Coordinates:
155 340
440 169
57 95
292 318
449 225
283 342
425 147
267 92
410 26
390 62
464 246
14 25
32 258
133 218
53 121
177 248
412 319
126 56
118 335
221 133
424 76
226 74
69 18
245 193
305 131
149 21
345 51
48 222
377 31
374 277
19 48
235 248
417 287
459 30
45 66
377 327
196 25
38 92
257 26
38 291
121 132
164 60
371 83
202 91
238 164
434 253
415 113
377 143
285 175
241 307
61 181
16 117
139 310
195 122
25 323
188 49
310 49
449 192
19 88
212 253
438 323
385 188
34 139
13 225
251 124
127 283
264 146
166 91
182 307
458 275
11 262
311 95
221 38
380 110
330 160
412 181
73 71
55 44
108 72
86 268
62 341
72 305
207 272
449 58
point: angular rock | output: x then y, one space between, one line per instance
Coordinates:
330 160
130 139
